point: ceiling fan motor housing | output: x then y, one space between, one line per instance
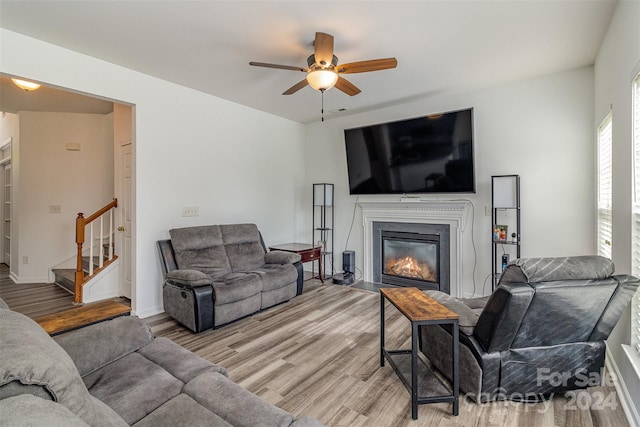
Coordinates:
311 61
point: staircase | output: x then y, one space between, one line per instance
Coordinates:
65 277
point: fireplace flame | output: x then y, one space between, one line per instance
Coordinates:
410 267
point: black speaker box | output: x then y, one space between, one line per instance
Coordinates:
349 262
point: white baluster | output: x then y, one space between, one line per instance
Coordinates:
101 251
91 249
111 234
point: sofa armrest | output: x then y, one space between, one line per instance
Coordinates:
281 257
97 345
188 278
29 410
468 317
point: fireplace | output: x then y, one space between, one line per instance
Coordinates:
414 255
447 219
410 259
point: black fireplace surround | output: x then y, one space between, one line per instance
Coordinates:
432 244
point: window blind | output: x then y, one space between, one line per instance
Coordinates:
635 260
605 187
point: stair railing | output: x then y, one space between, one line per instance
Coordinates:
82 223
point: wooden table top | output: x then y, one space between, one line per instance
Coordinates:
416 305
294 247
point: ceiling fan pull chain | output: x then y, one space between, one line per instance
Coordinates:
322 108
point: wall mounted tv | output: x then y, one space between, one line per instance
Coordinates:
430 154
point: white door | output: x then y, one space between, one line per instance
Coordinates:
123 243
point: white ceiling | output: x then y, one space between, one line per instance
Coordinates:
441 46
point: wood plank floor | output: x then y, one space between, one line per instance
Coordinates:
319 355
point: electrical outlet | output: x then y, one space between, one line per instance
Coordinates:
55 209
190 211
26 259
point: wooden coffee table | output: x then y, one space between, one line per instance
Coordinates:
308 253
419 309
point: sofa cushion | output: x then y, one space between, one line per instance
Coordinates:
133 386
36 359
236 286
182 410
276 276
32 411
118 337
177 360
243 246
200 248
222 396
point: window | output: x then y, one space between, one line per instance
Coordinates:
604 187
635 260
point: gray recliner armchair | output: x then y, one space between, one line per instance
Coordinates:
216 274
541 332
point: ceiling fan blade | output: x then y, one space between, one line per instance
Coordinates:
323 48
364 66
296 87
347 87
281 67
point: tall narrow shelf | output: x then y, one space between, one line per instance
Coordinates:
505 212
323 217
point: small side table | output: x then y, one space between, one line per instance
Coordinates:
308 253
419 309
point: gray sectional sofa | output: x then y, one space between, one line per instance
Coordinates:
216 274
116 373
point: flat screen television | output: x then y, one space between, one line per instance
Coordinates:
429 154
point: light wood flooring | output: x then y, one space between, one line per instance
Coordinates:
319 355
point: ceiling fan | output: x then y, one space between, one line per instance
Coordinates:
323 71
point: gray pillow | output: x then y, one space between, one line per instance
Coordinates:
189 278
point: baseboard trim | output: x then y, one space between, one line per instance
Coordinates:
28 280
623 392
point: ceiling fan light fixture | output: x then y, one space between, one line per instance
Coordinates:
322 79
26 85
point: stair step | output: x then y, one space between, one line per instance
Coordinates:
65 278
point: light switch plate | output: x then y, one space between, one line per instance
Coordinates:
190 211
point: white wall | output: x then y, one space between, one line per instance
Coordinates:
540 129
77 181
617 63
191 149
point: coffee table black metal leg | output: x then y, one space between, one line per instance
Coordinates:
414 371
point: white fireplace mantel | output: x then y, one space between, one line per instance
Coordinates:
451 213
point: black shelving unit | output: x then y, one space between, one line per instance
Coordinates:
505 213
323 217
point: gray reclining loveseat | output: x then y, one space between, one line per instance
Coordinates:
116 373
216 274
541 332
